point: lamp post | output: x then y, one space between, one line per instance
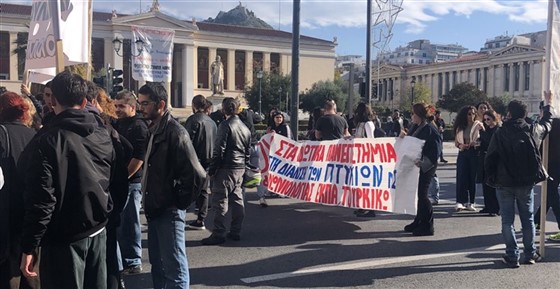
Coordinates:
117 44
412 83
280 98
259 76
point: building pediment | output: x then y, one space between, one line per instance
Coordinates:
516 49
389 69
155 19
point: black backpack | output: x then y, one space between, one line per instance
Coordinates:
526 165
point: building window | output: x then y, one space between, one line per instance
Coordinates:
424 54
498 45
398 54
406 54
421 61
239 70
203 73
527 72
412 60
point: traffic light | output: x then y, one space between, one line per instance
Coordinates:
117 81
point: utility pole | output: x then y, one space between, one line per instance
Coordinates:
294 124
368 53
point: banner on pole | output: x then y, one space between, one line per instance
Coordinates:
554 30
372 174
71 17
154 63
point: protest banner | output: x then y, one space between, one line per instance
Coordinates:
54 22
372 174
154 62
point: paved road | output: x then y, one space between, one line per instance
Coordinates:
292 244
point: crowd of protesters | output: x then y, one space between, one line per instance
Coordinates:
78 167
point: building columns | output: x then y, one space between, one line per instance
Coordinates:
212 52
13 62
511 79
248 68
231 69
189 79
490 79
522 79
266 62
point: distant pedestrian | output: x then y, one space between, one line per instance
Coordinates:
202 131
229 161
467 131
440 124
513 166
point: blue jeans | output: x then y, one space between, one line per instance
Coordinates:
523 197
166 250
130 232
433 189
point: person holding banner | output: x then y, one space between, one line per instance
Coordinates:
423 224
331 126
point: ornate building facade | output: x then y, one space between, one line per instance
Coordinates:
515 71
244 51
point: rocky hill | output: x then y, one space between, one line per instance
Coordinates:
239 16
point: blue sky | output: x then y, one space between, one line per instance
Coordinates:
465 22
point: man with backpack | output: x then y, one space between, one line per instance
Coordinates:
513 165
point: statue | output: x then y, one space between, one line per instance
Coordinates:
217 69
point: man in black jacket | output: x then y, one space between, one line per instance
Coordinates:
202 130
172 176
67 197
513 167
229 160
135 130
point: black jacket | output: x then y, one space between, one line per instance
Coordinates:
430 134
11 194
135 130
233 142
250 118
173 168
498 154
67 192
202 130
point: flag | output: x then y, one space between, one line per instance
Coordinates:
552 79
65 20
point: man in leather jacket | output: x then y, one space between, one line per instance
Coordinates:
67 193
202 131
171 179
229 160
513 182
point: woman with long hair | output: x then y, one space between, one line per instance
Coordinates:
491 124
481 108
422 128
365 128
466 129
280 126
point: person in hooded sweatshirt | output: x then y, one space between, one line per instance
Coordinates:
67 199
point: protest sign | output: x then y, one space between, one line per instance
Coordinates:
154 63
66 20
372 174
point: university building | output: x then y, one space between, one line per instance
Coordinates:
244 51
515 70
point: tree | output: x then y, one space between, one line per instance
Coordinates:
422 94
462 94
499 103
320 92
273 88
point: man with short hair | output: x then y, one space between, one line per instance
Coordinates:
171 178
513 167
67 193
440 124
202 130
229 160
135 130
331 126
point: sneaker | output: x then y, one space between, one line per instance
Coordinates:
233 236
555 238
470 207
134 269
459 207
510 263
534 259
196 225
262 202
213 240
443 161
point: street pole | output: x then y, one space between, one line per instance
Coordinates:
260 96
368 53
350 90
412 83
295 68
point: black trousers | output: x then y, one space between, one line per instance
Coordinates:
425 211
490 200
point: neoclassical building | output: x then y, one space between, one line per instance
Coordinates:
516 71
244 51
